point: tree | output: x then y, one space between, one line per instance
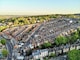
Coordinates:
74 36
3 41
52 55
78 32
33 21
74 55
2 28
46 45
16 22
26 21
61 40
46 58
28 52
4 52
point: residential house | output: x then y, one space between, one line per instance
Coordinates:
58 50
20 58
40 54
36 54
78 46
51 51
72 47
44 52
66 48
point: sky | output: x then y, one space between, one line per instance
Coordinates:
39 7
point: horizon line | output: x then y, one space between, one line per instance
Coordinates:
36 14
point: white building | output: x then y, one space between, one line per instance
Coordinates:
20 57
66 48
78 47
36 54
72 47
31 46
44 52
40 54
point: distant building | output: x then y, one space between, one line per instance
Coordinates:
36 54
66 48
72 47
20 58
44 52
31 46
40 54
78 46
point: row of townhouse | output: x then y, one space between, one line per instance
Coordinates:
46 32
15 30
39 41
20 29
38 54
20 32
50 30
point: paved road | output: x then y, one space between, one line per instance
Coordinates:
9 47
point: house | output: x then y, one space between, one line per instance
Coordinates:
17 55
51 51
31 46
40 54
20 57
70 21
38 44
78 46
58 51
66 48
72 47
44 52
36 54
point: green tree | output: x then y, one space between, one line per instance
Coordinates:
2 28
3 41
46 45
52 55
74 36
33 21
74 55
16 22
26 21
61 40
78 32
4 52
